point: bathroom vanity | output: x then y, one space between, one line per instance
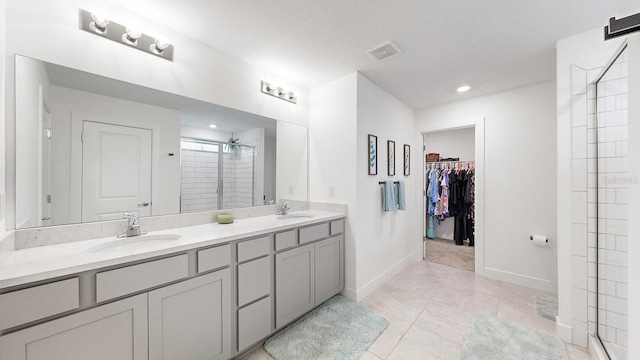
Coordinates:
202 292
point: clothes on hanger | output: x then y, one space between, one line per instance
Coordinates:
451 193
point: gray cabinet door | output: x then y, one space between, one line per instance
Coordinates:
294 284
329 269
114 331
192 319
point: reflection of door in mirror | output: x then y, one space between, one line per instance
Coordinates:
116 171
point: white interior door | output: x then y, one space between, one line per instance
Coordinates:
116 171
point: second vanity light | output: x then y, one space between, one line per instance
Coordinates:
99 25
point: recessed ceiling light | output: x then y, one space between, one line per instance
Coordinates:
464 88
213 126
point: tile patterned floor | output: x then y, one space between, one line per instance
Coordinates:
446 252
430 306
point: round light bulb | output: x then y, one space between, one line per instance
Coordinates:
101 21
162 44
133 33
464 88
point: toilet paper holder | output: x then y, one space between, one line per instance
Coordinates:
545 240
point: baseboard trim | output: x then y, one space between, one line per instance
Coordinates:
349 294
520 279
595 349
563 331
366 290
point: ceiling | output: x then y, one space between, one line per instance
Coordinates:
493 45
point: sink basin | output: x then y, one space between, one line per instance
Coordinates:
290 216
134 244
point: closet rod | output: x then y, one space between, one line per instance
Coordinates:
382 182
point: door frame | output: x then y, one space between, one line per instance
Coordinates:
479 124
75 191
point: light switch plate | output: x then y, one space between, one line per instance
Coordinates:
332 191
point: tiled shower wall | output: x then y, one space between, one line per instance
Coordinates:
610 246
238 178
199 180
613 181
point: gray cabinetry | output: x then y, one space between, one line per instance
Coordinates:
294 283
329 268
192 319
114 331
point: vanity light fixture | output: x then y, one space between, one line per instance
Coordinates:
98 24
278 92
464 88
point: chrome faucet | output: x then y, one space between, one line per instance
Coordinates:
133 227
284 208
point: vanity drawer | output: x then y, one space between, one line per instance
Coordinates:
313 233
254 280
337 227
254 323
285 240
252 249
213 258
22 306
114 283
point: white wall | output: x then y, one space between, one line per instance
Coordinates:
68 104
458 143
520 179
586 51
49 30
3 21
292 162
32 91
450 144
386 241
333 156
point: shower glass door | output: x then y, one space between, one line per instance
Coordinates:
216 176
612 213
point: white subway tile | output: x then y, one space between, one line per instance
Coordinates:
621 290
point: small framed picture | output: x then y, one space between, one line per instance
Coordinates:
407 160
391 157
373 154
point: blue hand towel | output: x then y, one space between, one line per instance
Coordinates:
402 204
389 196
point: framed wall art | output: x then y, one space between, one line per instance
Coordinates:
407 160
391 157
373 154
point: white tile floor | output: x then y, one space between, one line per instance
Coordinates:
430 306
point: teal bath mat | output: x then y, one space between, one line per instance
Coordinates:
546 306
494 338
337 329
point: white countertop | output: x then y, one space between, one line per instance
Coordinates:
45 262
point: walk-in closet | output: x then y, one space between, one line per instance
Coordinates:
449 196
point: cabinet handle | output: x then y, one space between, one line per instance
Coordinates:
144 204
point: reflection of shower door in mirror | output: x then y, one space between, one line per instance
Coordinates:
116 171
45 165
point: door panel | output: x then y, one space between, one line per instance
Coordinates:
116 171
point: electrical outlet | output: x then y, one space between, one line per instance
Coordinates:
332 191
290 189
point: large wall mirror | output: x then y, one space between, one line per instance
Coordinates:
89 148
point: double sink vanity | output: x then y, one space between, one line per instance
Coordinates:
208 291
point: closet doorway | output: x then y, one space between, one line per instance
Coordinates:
450 208
460 148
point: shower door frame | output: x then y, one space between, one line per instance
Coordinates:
595 82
